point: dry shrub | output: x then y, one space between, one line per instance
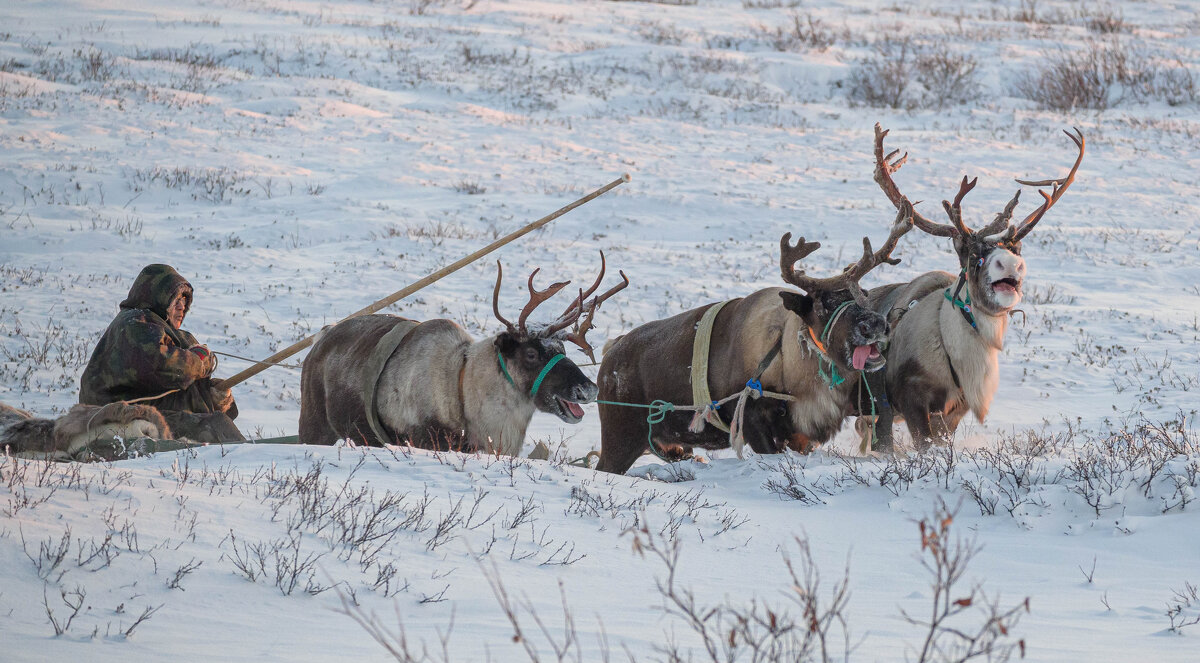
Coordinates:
906 74
769 4
1104 74
1104 19
678 3
965 623
660 33
799 33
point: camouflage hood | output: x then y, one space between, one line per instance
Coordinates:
154 289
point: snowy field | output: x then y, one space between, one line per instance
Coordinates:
298 160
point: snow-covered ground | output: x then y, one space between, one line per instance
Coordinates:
297 161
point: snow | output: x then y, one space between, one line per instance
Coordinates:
297 161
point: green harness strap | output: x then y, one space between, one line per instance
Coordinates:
964 306
831 377
658 411
537 384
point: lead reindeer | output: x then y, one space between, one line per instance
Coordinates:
388 379
809 347
947 329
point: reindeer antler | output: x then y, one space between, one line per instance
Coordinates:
577 310
884 167
578 334
848 280
566 318
536 297
954 210
1057 188
496 299
1002 219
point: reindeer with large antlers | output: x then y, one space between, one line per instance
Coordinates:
388 379
948 329
808 348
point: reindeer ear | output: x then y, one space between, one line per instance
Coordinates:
963 249
801 305
506 343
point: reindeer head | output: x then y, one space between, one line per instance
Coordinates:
533 359
991 256
835 311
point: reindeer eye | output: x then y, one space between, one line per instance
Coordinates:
531 354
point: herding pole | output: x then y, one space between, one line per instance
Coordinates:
261 366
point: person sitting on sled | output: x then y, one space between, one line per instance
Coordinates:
145 357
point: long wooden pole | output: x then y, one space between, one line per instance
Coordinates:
401 294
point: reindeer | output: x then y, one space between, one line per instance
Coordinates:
435 387
947 329
808 347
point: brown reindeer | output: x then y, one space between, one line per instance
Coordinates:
798 337
948 329
439 388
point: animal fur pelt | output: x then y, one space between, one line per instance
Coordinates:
85 432
10 415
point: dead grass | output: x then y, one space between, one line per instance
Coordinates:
1106 73
909 74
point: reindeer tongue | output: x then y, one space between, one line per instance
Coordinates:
861 354
574 409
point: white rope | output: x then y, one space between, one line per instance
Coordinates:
256 361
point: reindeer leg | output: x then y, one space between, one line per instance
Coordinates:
881 426
801 443
945 422
919 428
917 418
767 425
884 442
622 438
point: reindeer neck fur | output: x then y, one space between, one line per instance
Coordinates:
499 409
818 409
973 353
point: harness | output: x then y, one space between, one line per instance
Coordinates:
964 308
387 345
701 346
707 409
831 377
373 369
537 384
963 305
